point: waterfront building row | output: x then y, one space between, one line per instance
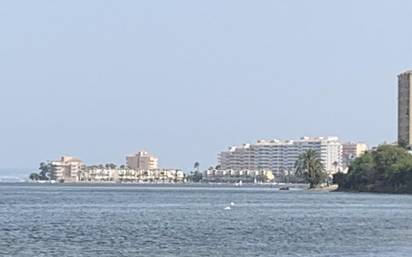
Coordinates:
247 176
132 176
141 167
280 156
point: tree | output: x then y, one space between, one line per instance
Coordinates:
34 176
387 169
310 167
46 171
339 179
335 165
197 176
110 166
196 166
403 144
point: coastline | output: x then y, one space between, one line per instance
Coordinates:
276 187
392 192
331 188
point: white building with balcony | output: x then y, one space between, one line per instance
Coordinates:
280 156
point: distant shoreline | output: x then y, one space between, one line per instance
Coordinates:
200 185
371 192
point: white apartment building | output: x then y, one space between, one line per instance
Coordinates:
142 161
97 175
67 169
280 156
100 175
156 175
217 175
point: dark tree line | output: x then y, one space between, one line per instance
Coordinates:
386 169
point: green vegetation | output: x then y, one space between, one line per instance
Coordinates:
195 176
34 176
310 168
196 166
110 166
387 169
45 172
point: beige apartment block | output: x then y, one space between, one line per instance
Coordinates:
351 151
67 169
142 161
404 108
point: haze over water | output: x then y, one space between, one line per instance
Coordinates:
65 220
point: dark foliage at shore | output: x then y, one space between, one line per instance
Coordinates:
387 169
45 172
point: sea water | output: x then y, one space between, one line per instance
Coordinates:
103 220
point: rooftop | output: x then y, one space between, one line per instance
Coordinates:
285 142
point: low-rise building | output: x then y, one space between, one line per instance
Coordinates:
234 176
132 176
154 175
96 174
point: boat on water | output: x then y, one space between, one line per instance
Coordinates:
284 189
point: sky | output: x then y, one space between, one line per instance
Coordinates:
187 79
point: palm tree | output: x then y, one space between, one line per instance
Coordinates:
311 168
196 166
335 164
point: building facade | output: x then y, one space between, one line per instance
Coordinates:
351 151
142 161
119 175
404 108
280 156
235 176
67 169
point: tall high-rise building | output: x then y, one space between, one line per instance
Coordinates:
280 156
405 108
142 161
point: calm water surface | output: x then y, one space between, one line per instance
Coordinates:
55 220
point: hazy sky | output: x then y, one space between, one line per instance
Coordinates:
187 79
